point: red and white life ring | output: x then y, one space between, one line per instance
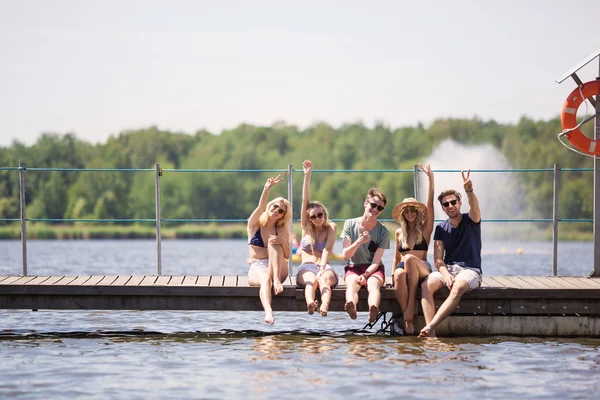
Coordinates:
568 118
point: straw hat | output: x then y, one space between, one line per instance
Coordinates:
407 202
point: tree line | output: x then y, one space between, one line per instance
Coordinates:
233 195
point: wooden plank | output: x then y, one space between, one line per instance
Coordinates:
23 280
52 280
3 277
521 282
189 281
216 280
10 280
176 280
230 281
532 282
242 281
553 283
93 280
492 282
108 280
580 283
135 280
79 280
203 280
163 280
148 280
38 280
592 281
121 280
507 283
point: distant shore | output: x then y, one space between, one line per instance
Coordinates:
80 231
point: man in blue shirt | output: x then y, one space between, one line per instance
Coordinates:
457 256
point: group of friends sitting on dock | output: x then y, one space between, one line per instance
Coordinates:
457 251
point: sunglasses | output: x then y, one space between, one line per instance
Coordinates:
377 206
411 210
316 216
451 202
279 209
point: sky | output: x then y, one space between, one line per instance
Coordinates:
97 68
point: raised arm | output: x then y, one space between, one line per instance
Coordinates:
262 203
474 211
307 166
430 216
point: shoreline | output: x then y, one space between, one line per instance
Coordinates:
80 231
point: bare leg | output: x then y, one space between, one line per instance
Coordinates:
327 280
374 284
459 288
428 289
352 288
277 268
307 279
401 291
258 277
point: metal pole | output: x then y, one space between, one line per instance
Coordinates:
157 193
555 223
290 199
416 180
22 216
596 271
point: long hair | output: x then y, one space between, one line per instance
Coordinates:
419 224
284 221
310 227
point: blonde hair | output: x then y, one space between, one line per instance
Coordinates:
286 218
419 223
310 227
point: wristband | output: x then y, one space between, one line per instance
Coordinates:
469 191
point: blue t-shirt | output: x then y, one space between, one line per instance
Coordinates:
462 245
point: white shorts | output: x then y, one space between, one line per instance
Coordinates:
314 268
469 275
259 264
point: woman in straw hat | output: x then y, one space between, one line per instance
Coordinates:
410 264
269 245
318 238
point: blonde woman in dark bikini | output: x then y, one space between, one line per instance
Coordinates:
318 238
410 264
269 244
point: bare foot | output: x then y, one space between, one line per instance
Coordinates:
427 332
350 308
269 318
312 307
323 310
373 313
277 287
409 328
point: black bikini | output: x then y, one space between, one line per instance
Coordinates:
257 240
418 246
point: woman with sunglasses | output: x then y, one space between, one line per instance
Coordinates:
318 238
410 265
364 241
268 265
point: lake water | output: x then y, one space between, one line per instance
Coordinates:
200 354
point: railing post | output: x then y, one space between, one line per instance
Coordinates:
290 199
596 271
157 196
416 180
22 216
555 223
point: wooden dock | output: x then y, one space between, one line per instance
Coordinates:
504 305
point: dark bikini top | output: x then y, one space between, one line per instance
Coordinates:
420 246
257 240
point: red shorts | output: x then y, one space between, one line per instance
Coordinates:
359 269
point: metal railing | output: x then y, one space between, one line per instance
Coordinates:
289 172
